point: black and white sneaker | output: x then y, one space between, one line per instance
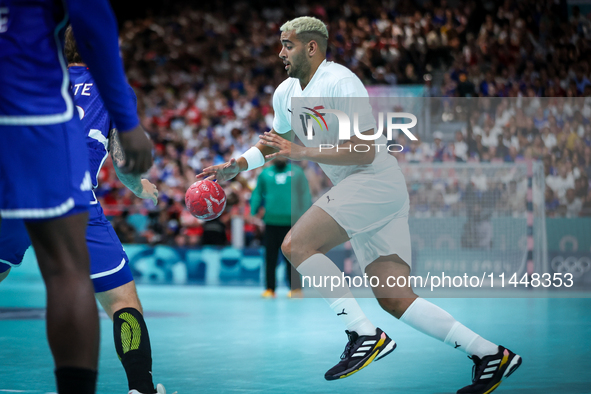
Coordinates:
360 352
488 372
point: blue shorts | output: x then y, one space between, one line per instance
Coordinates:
44 171
109 266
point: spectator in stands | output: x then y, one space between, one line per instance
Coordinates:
481 151
460 148
548 138
501 150
562 182
125 231
489 138
587 161
586 208
551 202
572 203
438 151
416 153
581 186
214 232
581 80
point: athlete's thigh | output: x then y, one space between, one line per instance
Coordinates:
109 266
59 243
316 230
392 239
364 203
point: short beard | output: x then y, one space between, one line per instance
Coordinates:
300 67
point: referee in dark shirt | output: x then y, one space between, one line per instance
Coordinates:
282 189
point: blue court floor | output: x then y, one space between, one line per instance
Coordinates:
229 340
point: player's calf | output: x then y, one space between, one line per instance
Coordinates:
72 316
396 306
132 343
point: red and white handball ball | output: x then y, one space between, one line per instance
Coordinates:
205 200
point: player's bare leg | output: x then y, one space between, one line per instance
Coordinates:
72 316
130 333
395 300
493 363
314 234
4 274
124 296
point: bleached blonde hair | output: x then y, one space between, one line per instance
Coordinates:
308 28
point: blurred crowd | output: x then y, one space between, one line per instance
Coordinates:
554 131
204 78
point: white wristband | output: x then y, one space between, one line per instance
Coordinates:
254 158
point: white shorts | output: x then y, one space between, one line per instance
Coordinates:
373 210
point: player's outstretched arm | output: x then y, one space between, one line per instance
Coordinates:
250 160
95 29
142 188
344 155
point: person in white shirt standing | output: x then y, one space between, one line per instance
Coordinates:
368 205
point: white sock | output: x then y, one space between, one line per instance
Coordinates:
430 319
351 314
340 298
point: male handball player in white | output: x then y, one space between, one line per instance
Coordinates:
368 206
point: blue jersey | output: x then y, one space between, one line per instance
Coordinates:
95 119
33 74
34 80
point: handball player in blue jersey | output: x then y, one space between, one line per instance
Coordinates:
109 269
44 172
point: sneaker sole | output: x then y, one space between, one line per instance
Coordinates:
369 360
389 348
512 367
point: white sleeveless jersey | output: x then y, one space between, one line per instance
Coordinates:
332 87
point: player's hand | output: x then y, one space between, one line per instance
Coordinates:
221 172
149 191
285 147
138 151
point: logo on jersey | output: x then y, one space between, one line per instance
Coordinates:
306 119
281 178
86 182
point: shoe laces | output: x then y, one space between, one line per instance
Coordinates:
477 368
349 347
